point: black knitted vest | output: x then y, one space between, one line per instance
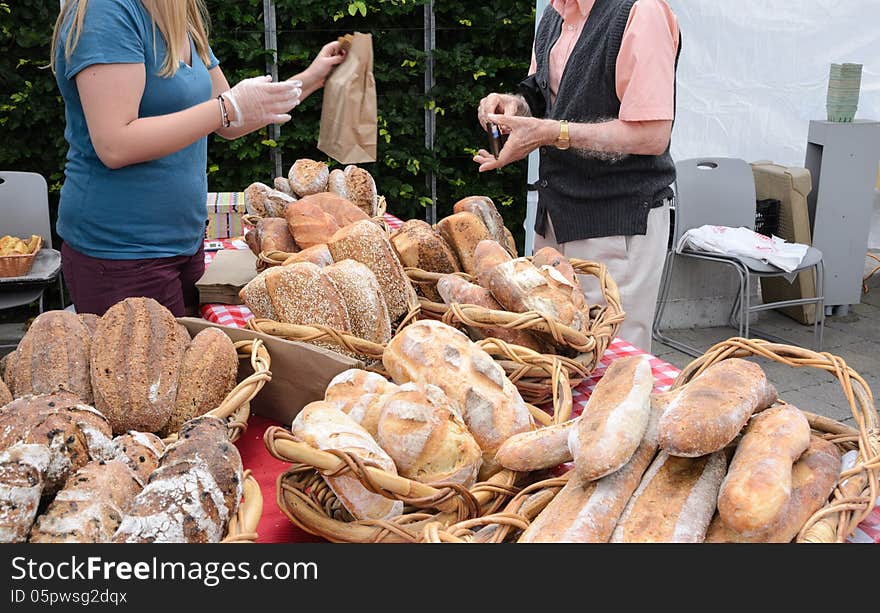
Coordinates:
588 197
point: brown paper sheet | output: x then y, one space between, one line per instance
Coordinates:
230 271
300 372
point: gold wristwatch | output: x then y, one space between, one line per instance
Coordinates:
563 141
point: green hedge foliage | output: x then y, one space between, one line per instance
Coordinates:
481 47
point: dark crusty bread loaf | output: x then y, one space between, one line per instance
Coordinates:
484 208
140 451
207 375
318 255
91 505
263 201
710 410
53 355
813 478
135 364
301 294
614 420
357 185
418 245
22 470
194 492
757 488
308 177
463 231
454 289
364 242
432 352
363 300
674 502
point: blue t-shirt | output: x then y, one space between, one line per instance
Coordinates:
149 210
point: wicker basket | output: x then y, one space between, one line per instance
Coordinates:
852 500
243 527
579 351
236 407
303 495
19 265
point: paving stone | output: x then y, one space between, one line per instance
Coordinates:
824 399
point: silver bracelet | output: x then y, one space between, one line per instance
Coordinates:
223 112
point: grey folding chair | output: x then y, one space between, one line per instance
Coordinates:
721 192
24 210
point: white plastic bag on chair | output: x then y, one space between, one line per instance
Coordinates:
743 242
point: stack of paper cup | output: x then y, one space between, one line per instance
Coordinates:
844 82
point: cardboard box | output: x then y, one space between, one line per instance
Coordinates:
224 215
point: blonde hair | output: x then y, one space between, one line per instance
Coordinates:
174 19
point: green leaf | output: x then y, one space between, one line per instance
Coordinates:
269 143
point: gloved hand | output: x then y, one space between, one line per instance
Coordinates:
258 101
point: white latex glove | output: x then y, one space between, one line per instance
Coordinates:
259 101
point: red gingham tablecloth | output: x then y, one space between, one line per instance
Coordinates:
275 527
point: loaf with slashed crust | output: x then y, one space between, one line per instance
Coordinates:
711 409
363 299
323 426
813 479
135 364
484 208
22 477
264 201
91 505
364 242
418 245
675 501
432 352
463 231
141 451
757 488
194 492
559 272
53 355
361 395
538 449
207 375
614 421
273 234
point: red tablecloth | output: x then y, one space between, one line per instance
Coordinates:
275 527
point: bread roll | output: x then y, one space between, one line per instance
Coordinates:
614 420
711 409
361 395
22 470
207 374
263 201
318 255
308 177
90 507
314 219
363 299
463 231
53 355
357 185
542 448
273 234
454 289
135 364
424 434
323 426
587 512
300 294
674 502
418 245
140 451
559 273
432 352
488 255
255 295
484 208
364 242
282 184
520 287
813 479
757 488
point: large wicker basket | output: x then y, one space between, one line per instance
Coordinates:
578 350
303 495
852 499
236 407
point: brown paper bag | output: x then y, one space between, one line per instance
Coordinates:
348 116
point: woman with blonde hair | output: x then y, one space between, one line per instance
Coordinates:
142 91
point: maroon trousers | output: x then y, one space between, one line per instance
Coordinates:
96 284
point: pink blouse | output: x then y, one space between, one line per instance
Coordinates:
645 63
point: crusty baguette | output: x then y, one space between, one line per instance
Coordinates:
22 478
709 411
323 426
813 478
463 231
757 489
674 502
614 420
520 287
538 449
588 512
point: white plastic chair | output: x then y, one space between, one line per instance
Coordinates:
721 192
24 210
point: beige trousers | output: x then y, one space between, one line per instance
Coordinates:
635 263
